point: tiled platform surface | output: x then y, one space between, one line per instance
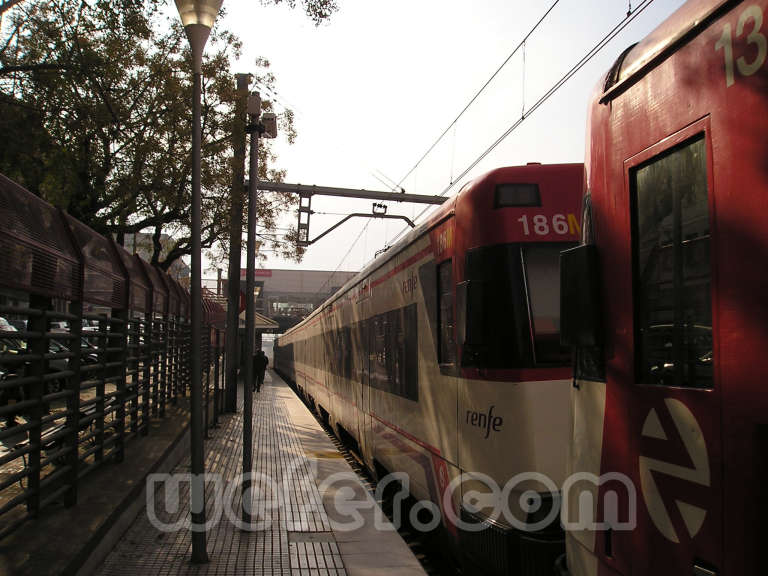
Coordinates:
300 530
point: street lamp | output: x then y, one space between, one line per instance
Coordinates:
197 17
264 125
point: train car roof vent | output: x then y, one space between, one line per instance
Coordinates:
615 72
533 164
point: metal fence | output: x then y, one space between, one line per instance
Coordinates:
94 343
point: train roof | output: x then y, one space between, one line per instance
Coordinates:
678 29
445 211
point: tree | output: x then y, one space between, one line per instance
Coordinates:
318 10
95 110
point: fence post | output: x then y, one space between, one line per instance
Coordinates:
154 376
72 442
207 369
184 356
162 352
120 326
216 354
171 359
38 346
134 350
102 376
177 370
146 361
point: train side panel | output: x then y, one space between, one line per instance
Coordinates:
677 174
397 376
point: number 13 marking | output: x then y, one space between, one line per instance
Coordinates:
755 37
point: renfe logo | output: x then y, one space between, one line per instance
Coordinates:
409 284
485 421
687 433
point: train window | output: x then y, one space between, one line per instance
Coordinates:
332 351
517 194
346 352
395 343
673 309
379 377
447 343
542 273
411 356
404 368
501 336
396 354
361 348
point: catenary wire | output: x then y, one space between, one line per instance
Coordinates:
479 92
555 87
351 247
398 185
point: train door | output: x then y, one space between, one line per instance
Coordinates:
364 423
674 400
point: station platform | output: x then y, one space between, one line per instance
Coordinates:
312 515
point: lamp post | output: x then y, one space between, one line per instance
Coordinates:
254 111
235 243
197 17
265 126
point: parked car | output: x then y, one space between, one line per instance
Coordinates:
9 347
88 355
90 325
58 326
6 325
18 324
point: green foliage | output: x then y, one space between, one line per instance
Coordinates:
95 108
317 10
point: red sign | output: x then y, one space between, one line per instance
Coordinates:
259 272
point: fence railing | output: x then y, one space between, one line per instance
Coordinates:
94 343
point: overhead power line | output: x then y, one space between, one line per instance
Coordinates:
615 31
622 24
520 45
567 76
343 259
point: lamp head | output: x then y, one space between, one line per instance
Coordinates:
202 12
197 17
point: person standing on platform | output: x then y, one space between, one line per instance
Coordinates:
260 362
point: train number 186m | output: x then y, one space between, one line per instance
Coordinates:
542 225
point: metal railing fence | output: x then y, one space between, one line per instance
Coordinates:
94 344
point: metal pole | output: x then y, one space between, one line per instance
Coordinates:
216 360
199 552
235 243
352 193
249 321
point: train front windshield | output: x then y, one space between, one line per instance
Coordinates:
542 274
520 305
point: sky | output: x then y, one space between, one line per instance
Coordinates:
374 87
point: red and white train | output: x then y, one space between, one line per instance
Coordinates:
671 327
444 354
